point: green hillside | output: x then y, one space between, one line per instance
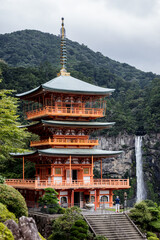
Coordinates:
33 48
32 58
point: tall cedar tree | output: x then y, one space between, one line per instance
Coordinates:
11 136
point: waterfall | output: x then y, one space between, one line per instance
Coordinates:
141 192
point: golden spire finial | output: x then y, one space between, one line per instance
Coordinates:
63 58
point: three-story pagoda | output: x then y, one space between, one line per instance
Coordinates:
64 111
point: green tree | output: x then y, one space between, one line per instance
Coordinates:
147 215
11 136
79 230
49 201
62 225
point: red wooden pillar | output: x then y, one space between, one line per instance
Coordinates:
72 198
110 198
58 196
101 171
92 169
95 202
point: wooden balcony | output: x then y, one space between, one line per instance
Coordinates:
96 183
65 142
65 112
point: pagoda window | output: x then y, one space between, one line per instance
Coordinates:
92 199
63 200
104 199
38 171
49 171
86 171
58 171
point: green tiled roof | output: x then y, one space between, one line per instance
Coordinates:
73 123
70 151
68 84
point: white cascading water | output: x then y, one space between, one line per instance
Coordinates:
141 192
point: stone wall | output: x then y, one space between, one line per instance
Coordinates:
44 222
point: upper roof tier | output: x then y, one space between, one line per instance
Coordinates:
68 84
69 124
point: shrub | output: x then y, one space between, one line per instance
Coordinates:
49 201
62 225
79 230
151 234
155 225
150 203
147 215
13 200
61 210
153 238
5 233
58 236
2 179
100 237
154 212
5 214
140 214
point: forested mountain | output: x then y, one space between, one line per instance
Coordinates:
33 48
32 58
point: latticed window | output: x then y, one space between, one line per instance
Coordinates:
86 170
57 171
104 199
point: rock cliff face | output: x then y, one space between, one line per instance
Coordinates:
119 166
125 164
151 165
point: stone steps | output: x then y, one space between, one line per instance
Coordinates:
113 226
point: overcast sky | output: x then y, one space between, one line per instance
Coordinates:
124 30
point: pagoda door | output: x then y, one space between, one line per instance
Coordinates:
43 174
68 106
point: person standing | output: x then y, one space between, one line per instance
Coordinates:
117 201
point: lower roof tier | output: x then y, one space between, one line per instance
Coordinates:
63 152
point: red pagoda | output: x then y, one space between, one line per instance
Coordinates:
63 110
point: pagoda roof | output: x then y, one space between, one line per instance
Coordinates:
68 84
72 124
69 152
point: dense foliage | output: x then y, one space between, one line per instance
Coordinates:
5 233
11 136
79 230
146 214
49 201
5 214
13 200
71 226
63 226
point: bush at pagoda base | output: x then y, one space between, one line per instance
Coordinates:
49 201
13 200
